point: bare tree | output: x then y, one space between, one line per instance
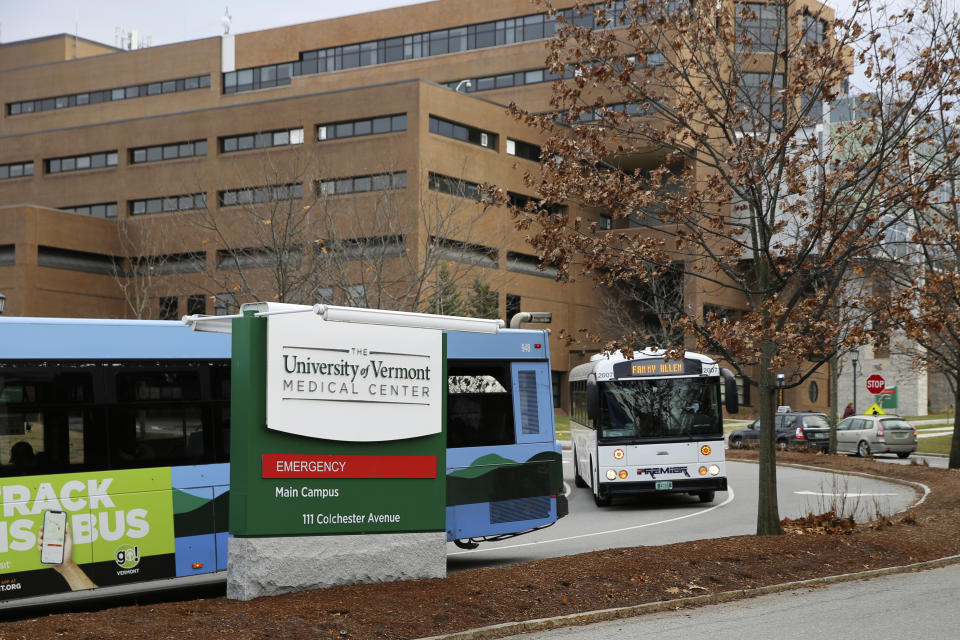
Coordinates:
697 124
644 312
294 231
139 271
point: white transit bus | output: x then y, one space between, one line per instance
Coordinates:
649 425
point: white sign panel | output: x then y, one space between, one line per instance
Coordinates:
352 382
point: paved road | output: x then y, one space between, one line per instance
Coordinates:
678 518
911 605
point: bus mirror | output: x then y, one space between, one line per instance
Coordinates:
730 391
593 398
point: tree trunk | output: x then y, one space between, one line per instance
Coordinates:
954 462
768 514
834 384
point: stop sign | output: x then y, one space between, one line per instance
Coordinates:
876 384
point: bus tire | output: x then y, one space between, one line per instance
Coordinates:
602 500
466 544
706 496
578 480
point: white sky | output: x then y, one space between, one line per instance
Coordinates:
167 21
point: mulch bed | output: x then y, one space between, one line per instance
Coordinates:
812 547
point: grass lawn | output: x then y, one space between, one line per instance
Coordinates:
941 425
563 427
932 416
937 444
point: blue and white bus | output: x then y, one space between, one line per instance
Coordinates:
124 425
649 425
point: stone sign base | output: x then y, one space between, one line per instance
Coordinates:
271 566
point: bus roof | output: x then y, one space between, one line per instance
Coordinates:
603 364
114 339
105 339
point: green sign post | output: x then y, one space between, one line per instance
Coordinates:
337 429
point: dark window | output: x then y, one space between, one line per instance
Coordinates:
168 308
486 139
522 149
512 307
761 26
479 404
196 304
453 186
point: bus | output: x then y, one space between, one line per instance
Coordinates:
122 429
648 425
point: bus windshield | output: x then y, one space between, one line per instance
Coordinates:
681 408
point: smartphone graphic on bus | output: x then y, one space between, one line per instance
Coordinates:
54 536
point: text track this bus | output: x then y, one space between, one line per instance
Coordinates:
120 430
649 425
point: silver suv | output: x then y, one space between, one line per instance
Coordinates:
866 435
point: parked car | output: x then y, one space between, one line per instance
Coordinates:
794 429
866 435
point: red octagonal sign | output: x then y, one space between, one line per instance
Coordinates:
876 384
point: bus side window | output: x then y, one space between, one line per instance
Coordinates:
479 405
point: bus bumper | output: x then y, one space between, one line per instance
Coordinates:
691 485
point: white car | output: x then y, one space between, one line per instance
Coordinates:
866 435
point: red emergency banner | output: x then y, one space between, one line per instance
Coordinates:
348 466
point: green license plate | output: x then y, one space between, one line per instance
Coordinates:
663 484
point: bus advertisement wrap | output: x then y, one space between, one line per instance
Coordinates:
119 529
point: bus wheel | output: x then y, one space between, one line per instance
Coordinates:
706 496
578 480
466 544
602 499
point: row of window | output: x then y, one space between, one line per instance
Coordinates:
262 140
170 151
529 76
363 184
453 186
530 265
99 210
109 95
188 202
81 163
16 170
257 195
422 45
465 133
364 127
268 139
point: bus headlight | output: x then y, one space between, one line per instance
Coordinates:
705 450
714 470
611 474
703 471
623 474
618 454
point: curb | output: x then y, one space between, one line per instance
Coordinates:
588 617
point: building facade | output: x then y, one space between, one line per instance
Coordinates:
380 128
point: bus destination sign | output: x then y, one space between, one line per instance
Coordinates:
657 368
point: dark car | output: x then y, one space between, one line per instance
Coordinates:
794 429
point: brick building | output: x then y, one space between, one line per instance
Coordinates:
398 113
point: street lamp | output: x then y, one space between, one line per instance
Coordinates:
3 301
854 355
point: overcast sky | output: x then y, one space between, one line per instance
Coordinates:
167 21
